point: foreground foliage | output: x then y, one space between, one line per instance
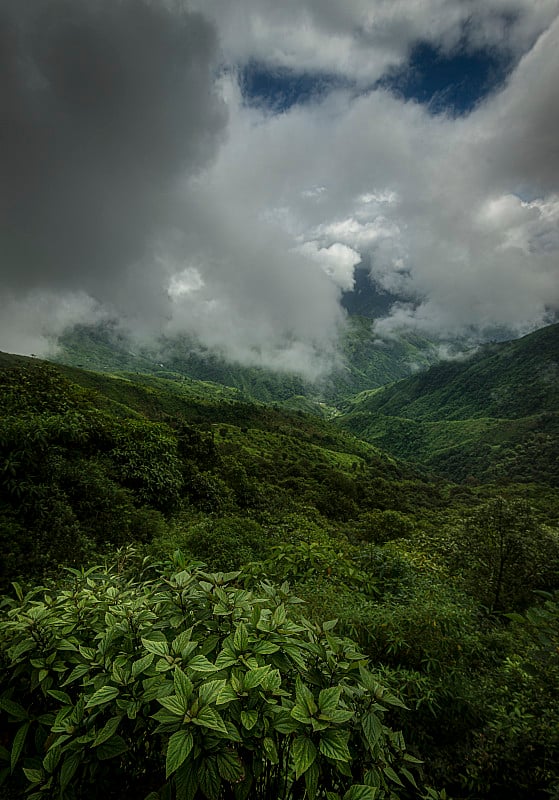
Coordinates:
177 683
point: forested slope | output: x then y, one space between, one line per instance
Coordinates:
215 599
492 416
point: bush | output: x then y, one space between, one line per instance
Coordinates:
179 684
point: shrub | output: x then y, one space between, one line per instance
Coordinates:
178 684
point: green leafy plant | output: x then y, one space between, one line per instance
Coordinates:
177 683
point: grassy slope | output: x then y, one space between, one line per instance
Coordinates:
493 416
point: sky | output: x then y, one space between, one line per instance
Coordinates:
221 168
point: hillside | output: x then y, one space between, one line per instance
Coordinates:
364 362
205 573
492 416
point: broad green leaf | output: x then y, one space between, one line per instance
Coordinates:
17 746
210 691
77 672
103 695
209 718
361 792
311 780
283 723
33 775
183 685
113 747
304 754
13 709
209 778
339 716
226 695
62 697
389 772
201 664
69 768
249 719
329 625
108 730
270 750
50 761
329 699
230 766
186 780
372 728
305 697
240 639
141 664
157 648
181 641
333 744
254 677
272 681
179 746
175 704
301 714
264 648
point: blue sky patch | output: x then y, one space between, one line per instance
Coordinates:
454 82
280 89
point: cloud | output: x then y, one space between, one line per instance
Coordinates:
103 104
140 184
360 39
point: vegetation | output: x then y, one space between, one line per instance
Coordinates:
210 597
492 417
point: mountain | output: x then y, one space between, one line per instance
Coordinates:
364 362
493 415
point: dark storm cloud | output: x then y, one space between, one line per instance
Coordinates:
104 105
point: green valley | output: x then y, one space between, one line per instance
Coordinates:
209 592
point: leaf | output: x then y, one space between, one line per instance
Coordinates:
333 744
50 761
226 695
201 664
210 691
389 772
372 728
230 766
103 695
69 768
60 696
33 775
77 672
209 778
240 639
304 754
361 792
141 664
108 730
186 780
209 718
157 648
183 685
249 719
328 699
329 625
174 704
305 697
112 748
270 750
17 746
254 677
311 780
13 709
179 746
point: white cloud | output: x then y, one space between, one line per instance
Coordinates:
459 214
